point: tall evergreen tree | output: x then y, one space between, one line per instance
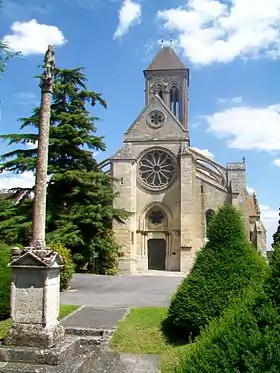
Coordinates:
276 236
224 268
80 196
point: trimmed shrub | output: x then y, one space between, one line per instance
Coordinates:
5 281
68 268
245 339
224 268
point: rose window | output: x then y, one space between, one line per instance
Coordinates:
157 169
156 118
156 217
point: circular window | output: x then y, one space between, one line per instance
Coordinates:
157 169
156 217
156 118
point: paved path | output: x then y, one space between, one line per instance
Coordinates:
121 291
139 363
95 318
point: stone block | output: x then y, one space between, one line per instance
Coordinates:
34 335
75 354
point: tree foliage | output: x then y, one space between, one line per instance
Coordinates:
226 266
276 236
68 269
246 337
79 195
5 282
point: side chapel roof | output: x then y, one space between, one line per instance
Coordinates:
254 209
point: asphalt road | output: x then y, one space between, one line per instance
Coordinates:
121 291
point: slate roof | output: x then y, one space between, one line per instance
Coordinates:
166 59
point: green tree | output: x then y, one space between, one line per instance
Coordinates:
80 196
15 219
276 236
226 266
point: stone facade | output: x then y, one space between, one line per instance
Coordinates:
171 188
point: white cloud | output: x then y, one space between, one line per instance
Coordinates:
277 162
270 219
33 38
205 152
250 190
247 127
32 145
218 31
9 180
230 101
129 15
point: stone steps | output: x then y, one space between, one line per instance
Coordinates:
76 354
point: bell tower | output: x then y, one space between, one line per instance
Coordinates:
167 77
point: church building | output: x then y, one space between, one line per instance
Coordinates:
172 189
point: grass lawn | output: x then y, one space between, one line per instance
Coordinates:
140 333
64 311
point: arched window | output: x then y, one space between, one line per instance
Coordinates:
175 101
157 90
209 216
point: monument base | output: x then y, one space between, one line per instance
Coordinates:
34 335
83 352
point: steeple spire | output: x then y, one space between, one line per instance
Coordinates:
166 59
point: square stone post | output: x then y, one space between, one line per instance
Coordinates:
35 298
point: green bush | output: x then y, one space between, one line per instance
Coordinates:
224 268
68 268
244 339
107 248
5 281
108 263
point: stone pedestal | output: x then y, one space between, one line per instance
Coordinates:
35 299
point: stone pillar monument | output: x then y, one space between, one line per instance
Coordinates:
35 295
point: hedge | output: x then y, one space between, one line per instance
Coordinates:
224 268
5 281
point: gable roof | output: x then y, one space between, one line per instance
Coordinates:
166 59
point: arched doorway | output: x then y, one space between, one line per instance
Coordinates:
156 221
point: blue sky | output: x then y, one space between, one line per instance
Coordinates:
231 47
